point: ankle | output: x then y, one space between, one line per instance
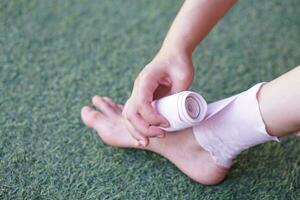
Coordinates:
237 126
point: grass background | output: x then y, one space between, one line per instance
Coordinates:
55 55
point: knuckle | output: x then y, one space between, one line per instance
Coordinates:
148 134
151 114
182 77
144 75
142 104
142 129
129 117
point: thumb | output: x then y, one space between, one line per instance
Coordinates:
181 79
179 86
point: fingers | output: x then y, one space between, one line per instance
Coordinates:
141 140
146 95
140 130
141 117
150 115
181 79
144 128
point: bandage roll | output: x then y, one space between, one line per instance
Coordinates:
182 110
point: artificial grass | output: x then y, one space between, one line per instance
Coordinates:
55 55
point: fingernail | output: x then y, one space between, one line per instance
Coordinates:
137 143
164 125
142 143
161 136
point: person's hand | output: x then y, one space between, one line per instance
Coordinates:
166 73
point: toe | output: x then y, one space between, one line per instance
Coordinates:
112 104
109 100
90 116
104 106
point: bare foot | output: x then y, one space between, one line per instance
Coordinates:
180 147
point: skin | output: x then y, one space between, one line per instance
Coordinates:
172 69
190 158
279 101
280 104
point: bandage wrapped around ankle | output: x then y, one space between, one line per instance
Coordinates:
182 110
231 126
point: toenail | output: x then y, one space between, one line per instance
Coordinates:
95 98
164 125
140 143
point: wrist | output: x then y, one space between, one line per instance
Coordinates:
174 58
176 53
178 45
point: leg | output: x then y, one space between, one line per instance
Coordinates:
279 102
260 114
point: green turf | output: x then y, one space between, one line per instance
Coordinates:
55 55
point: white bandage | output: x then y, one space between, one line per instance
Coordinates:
182 110
231 126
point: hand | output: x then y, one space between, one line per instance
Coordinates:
166 73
